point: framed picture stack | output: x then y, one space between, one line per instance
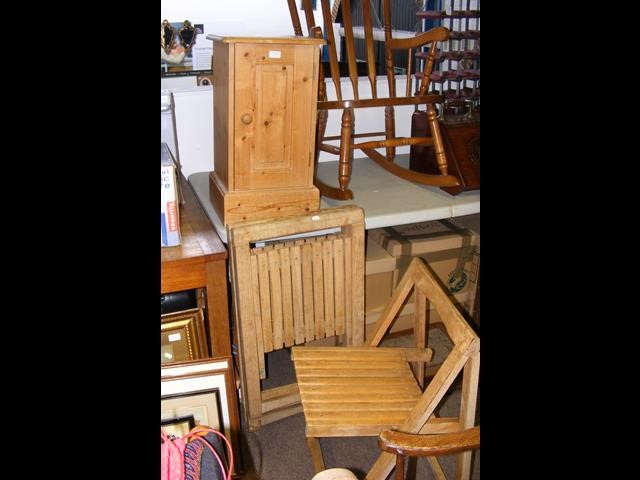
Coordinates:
200 393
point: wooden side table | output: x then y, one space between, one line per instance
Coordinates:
200 262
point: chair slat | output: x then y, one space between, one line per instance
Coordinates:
297 294
379 417
328 283
318 290
388 52
348 301
329 353
287 301
307 291
371 54
308 13
265 300
371 371
295 18
276 298
400 382
331 46
350 46
339 288
349 365
338 405
407 90
257 315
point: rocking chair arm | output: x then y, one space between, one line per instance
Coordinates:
380 102
436 34
417 445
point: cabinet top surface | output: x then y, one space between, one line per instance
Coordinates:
199 238
275 40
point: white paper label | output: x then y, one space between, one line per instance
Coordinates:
274 54
174 337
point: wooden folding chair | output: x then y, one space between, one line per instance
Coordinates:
289 291
361 391
376 99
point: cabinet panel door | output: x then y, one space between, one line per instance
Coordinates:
274 115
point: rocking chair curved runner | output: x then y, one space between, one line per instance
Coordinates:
347 135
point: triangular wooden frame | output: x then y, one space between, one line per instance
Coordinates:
464 357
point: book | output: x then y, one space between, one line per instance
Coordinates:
169 200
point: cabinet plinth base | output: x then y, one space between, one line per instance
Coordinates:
238 206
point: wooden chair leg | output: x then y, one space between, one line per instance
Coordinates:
390 130
344 166
438 146
316 453
399 467
412 469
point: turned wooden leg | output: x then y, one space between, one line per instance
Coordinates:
322 127
344 165
316 453
438 147
399 467
390 130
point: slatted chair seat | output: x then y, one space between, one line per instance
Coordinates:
356 391
362 391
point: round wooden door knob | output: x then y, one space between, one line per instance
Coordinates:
246 118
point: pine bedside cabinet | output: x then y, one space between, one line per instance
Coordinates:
264 126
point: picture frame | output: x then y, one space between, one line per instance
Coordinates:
203 389
179 426
182 336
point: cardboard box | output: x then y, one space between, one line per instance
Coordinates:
169 200
449 249
381 277
472 222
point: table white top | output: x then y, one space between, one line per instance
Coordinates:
386 199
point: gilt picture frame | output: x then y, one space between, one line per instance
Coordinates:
182 336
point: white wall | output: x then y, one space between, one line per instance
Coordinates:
262 18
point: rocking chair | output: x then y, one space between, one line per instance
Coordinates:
378 99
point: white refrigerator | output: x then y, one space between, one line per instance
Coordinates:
187 126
